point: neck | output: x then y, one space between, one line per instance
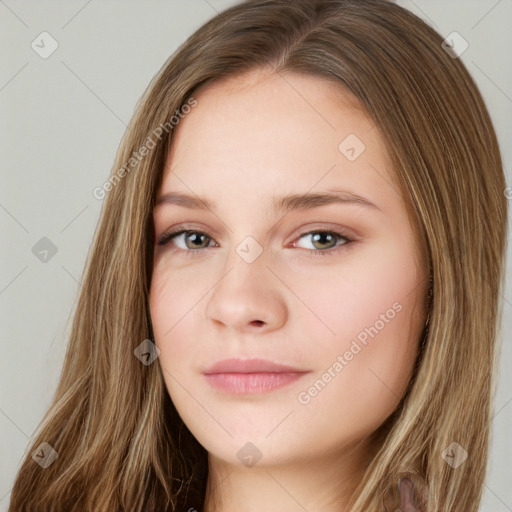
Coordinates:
323 484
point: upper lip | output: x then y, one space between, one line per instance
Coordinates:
253 365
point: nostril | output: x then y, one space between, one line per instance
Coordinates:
257 322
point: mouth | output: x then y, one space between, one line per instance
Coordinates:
239 376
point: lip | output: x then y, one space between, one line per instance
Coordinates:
242 376
253 365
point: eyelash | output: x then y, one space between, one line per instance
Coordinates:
169 235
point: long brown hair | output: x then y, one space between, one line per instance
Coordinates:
121 444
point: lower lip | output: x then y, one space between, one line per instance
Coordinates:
239 383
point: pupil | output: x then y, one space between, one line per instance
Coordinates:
196 235
319 236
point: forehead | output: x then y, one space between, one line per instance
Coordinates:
261 133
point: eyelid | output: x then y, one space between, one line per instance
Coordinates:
302 230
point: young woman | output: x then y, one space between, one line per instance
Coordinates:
291 302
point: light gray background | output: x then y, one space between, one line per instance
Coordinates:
61 122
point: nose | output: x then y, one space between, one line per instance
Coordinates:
248 298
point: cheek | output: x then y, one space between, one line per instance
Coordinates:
360 377
172 301
376 287
372 307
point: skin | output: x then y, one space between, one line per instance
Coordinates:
247 140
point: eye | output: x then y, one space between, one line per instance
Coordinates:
322 238
324 242
197 240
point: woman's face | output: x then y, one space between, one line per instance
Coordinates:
257 278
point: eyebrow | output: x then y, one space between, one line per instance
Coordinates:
279 204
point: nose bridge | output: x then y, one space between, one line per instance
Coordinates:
245 268
248 293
